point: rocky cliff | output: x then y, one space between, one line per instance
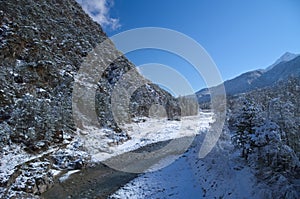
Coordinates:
42 47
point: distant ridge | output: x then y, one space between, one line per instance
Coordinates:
286 66
284 58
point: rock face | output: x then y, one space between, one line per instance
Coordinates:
42 46
41 50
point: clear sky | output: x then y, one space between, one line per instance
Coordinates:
239 35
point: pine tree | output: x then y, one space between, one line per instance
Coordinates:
246 122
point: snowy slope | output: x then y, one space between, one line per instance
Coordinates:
240 84
221 174
280 72
284 58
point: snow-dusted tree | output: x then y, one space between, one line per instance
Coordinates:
260 139
265 125
281 104
266 142
189 105
248 118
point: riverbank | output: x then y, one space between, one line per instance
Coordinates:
152 143
99 180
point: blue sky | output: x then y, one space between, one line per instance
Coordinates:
239 35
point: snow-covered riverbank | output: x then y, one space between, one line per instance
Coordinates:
102 144
221 174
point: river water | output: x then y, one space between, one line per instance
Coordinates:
100 181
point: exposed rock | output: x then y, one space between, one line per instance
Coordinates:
35 178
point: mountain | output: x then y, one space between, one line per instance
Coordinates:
43 46
284 58
41 55
279 72
288 65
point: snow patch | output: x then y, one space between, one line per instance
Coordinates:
67 175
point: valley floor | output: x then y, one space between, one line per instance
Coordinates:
221 174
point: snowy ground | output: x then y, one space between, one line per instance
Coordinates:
22 172
103 144
12 157
100 144
221 174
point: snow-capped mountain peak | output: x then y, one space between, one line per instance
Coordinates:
288 56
